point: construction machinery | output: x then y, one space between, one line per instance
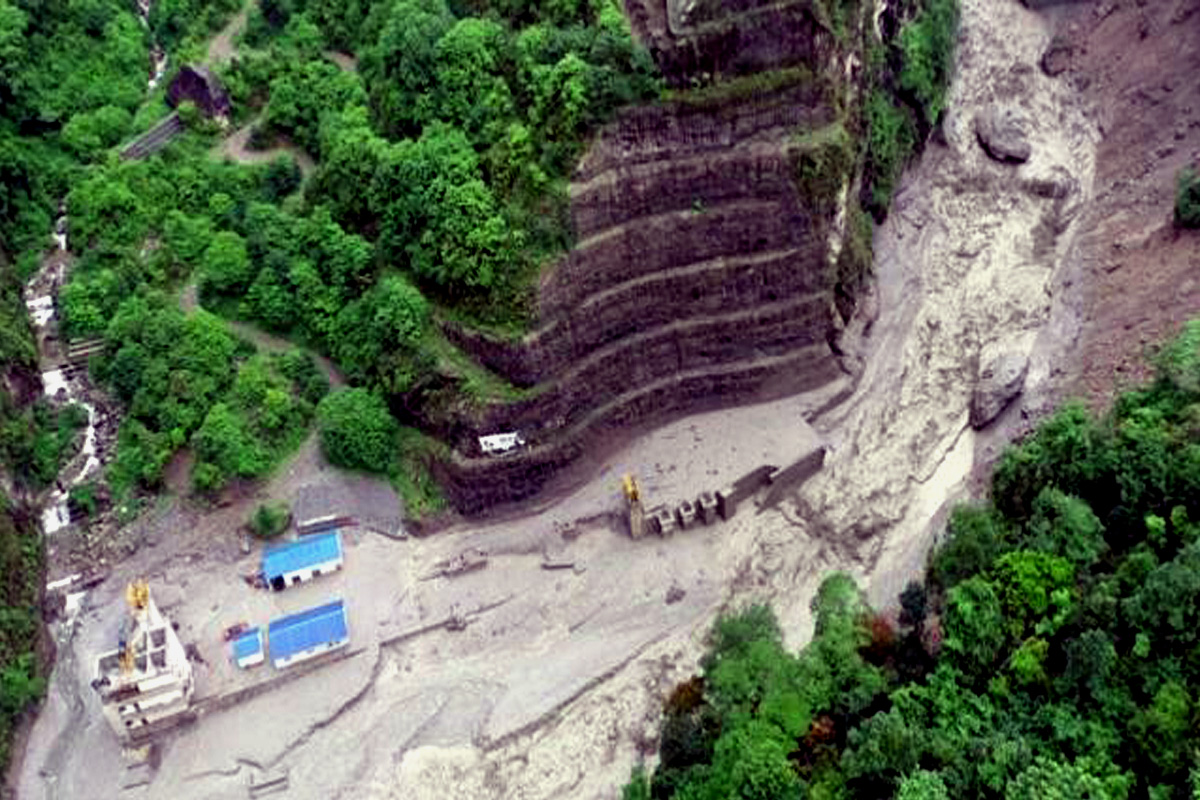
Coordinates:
633 497
146 684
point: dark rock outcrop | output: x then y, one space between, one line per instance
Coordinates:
1057 58
1001 376
202 87
1001 131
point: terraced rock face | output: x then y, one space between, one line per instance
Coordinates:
701 276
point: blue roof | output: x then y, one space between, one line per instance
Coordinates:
301 554
248 644
299 632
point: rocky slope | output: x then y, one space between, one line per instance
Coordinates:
1137 63
702 273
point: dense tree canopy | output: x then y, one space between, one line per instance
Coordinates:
357 431
1051 653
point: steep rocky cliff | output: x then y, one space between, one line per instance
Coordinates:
707 228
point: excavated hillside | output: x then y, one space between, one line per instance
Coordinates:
707 230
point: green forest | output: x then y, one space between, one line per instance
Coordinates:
1052 650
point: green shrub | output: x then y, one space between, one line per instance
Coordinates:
83 497
357 431
189 114
269 520
891 141
927 45
1187 199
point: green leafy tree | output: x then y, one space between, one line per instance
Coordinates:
401 68
269 520
89 132
880 752
1066 526
357 431
1037 591
225 450
975 625
470 91
226 267
923 785
1054 779
752 763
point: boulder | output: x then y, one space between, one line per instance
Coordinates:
1001 376
1001 132
1057 58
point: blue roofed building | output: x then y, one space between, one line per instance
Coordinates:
302 560
308 634
248 648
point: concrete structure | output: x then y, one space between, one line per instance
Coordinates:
146 684
706 507
306 635
661 521
302 560
685 513
202 87
248 649
500 443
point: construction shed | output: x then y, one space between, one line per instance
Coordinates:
299 637
302 560
248 649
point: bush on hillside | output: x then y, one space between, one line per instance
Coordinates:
1187 199
357 431
269 520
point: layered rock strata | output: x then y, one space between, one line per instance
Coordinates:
701 278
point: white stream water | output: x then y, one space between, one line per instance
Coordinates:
56 385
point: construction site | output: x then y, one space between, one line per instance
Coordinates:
468 640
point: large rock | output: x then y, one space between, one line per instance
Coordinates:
1001 131
1057 57
1001 375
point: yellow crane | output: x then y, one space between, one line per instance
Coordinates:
633 497
137 596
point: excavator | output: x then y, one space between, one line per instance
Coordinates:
633 497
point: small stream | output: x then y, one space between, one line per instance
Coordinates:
57 385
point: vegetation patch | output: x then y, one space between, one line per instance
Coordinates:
22 681
1049 651
269 520
743 87
824 162
908 78
1187 199
412 477
357 430
36 441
